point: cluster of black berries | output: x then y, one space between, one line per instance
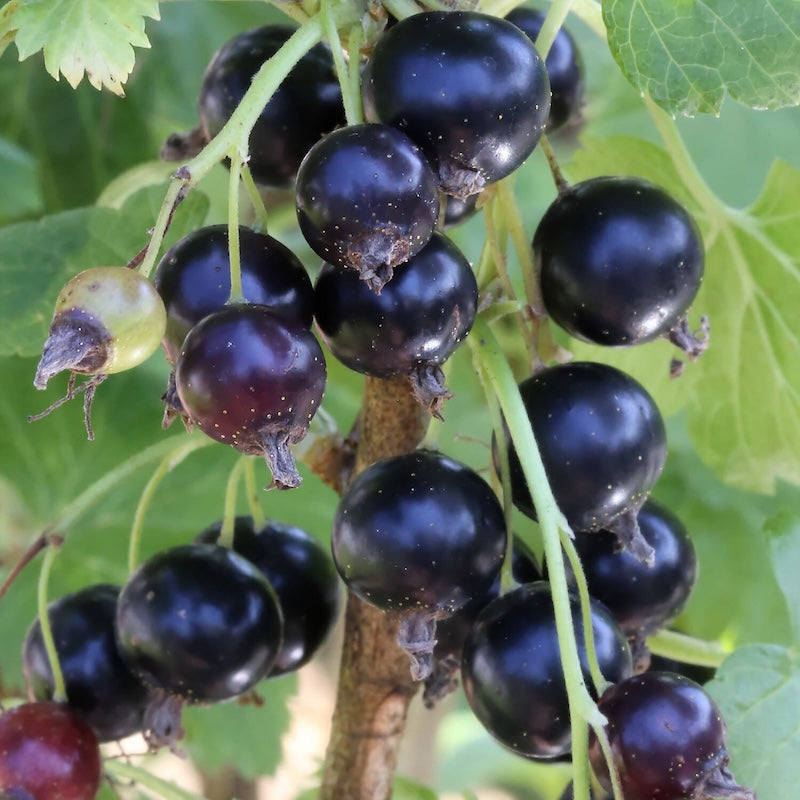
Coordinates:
455 101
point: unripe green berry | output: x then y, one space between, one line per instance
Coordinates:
106 320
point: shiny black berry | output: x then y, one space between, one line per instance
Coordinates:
306 105
411 327
252 379
668 740
512 674
641 599
304 579
632 273
468 88
603 445
367 199
421 534
564 67
193 279
201 624
99 685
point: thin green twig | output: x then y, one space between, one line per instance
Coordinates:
59 687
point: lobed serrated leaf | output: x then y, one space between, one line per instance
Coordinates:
91 37
783 530
687 55
758 691
743 394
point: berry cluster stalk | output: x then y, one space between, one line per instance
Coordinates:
375 685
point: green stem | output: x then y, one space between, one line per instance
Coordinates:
555 170
350 99
168 463
354 41
229 514
176 191
124 771
600 683
235 266
487 351
688 649
261 221
292 10
605 746
59 688
235 134
507 581
91 496
579 733
553 21
682 161
400 9
253 494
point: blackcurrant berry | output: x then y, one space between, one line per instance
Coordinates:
304 579
668 741
306 105
564 67
47 752
99 685
603 445
193 279
695 672
366 199
468 88
252 379
632 273
641 599
411 327
420 534
201 624
512 674
452 631
457 211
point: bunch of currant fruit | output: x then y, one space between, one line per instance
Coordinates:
454 102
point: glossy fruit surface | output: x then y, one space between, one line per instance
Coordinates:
632 273
304 579
640 598
468 88
306 105
416 322
252 379
106 320
564 67
418 531
602 441
47 752
512 675
99 685
193 279
366 199
668 740
199 622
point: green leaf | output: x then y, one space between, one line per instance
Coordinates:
91 37
404 789
784 545
245 735
758 691
687 54
743 394
39 257
21 196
